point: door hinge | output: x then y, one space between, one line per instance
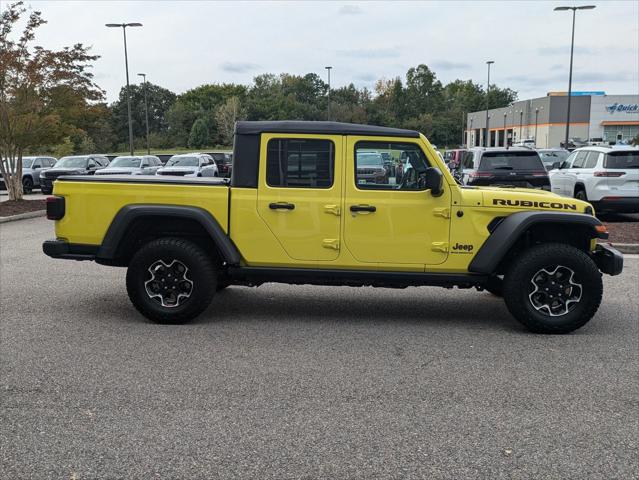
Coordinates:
439 247
331 243
441 212
334 209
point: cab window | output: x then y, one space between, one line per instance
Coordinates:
591 160
389 166
300 163
579 160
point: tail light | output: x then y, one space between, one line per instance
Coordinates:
540 174
474 175
55 208
609 174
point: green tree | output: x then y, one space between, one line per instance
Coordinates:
199 136
226 116
36 86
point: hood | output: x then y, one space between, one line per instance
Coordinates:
117 170
56 172
528 199
178 168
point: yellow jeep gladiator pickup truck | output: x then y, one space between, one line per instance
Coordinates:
330 203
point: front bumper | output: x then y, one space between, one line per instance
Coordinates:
608 259
617 204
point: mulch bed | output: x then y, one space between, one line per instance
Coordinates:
623 232
14 207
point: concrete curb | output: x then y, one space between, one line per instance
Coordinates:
23 216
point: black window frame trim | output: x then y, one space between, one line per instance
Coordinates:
332 161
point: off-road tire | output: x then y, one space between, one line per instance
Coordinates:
27 185
518 286
201 272
581 195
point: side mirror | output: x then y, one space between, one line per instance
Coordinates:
563 165
433 179
555 165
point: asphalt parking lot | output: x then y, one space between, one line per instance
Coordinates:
304 382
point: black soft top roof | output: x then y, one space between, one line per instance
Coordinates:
334 128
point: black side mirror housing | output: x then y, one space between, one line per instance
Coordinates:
433 179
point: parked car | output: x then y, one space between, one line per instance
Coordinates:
295 213
224 162
190 165
370 168
32 167
136 165
526 142
72 165
607 177
551 156
503 167
573 143
453 157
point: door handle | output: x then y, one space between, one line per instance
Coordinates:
281 206
363 208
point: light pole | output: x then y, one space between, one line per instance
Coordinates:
536 121
126 66
328 107
489 63
521 125
505 139
572 46
146 115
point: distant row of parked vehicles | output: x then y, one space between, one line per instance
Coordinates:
606 176
41 171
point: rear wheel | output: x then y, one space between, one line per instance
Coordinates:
581 195
27 185
553 288
171 280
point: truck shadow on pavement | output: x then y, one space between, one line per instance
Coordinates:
411 306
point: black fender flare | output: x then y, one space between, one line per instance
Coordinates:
513 226
130 213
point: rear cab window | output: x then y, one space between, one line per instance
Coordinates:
300 163
510 160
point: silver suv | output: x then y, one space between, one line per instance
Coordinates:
31 169
132 165
190 165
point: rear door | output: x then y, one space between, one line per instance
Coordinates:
572 175
300 193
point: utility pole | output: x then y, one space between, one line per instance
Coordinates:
489 63
572 47
146 114
328 107
126 66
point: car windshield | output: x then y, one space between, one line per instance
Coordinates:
72 162
183 162
27 162
128 162
553 156
622 160
509 160
369 159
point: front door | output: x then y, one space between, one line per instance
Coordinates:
393 219
300 193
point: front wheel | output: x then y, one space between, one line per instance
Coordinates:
27 185
171 280
553 288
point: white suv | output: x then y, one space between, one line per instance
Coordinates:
607 177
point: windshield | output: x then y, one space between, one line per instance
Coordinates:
622 160
510 161
72 162
27 162
133 162
554 156
369 159
183 162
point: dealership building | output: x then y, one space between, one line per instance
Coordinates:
593 116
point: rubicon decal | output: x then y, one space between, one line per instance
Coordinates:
528 203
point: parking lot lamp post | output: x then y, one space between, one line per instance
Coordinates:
536 121
572 46
146 115
126 66
505 136
489 63
328 106
521 125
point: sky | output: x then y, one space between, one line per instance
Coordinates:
185 44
